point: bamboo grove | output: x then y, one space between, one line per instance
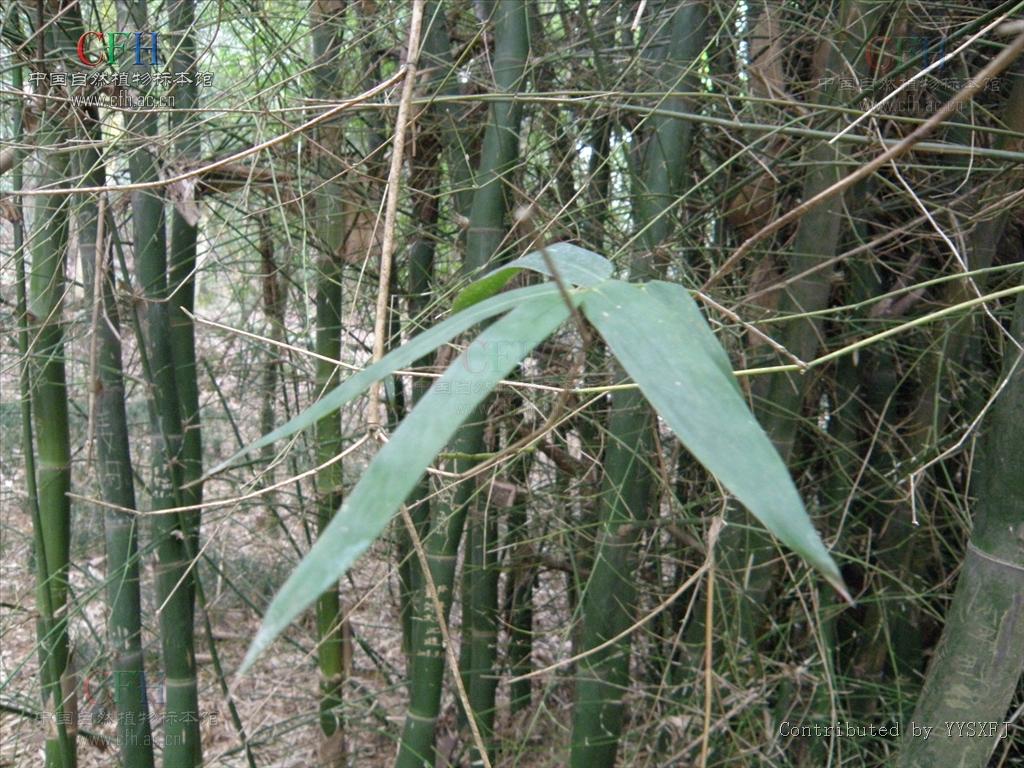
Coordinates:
215 215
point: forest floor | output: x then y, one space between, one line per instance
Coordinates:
277 699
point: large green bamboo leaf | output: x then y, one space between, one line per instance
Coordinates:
674 301
575 266
398 466
404 355
655 333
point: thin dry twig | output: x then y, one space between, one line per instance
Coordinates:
402 126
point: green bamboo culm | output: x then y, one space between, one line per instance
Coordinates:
327 29
182 286
438 134
978 663
113 457
608 600
608 596
181 732
181 269
484 240
487 228
47 460
481 611
174 591
603 34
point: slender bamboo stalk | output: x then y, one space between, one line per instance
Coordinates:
480 628
330 640
483 242
602 38
181 269
435 125
175 592
610 592
44 412
608 602
124 628
181 732
846 429
328 25
113 456
977 665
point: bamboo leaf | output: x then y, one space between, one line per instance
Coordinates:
398 466
652 330
674 301
487 286
575 265
404 355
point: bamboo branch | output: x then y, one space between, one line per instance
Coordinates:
402 125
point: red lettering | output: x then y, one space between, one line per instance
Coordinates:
82 55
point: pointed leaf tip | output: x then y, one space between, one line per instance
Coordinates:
661 339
